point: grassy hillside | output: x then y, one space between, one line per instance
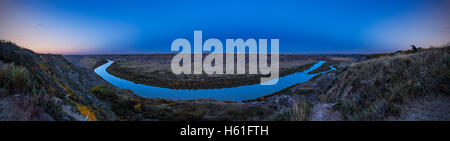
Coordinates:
48 87
384 87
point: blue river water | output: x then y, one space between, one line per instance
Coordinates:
238 93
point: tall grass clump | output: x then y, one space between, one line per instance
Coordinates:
299 111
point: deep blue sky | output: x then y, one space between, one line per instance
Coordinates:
314 26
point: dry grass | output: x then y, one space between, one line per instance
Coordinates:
155 70
128 106
377 88
299 111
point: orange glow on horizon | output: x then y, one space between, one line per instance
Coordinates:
43 48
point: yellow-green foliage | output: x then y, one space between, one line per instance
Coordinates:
104 92
65 87
128 63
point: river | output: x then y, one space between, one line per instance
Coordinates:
238 93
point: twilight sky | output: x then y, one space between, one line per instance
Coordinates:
313 26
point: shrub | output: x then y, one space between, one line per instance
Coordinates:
19 79
3 76
376 89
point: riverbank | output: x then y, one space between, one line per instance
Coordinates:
402 86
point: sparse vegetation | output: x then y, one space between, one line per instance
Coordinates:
16 79
36 80
155 71
376 89
49 104
299 111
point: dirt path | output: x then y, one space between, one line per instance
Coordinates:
323 112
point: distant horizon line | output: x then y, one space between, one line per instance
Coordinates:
205 54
